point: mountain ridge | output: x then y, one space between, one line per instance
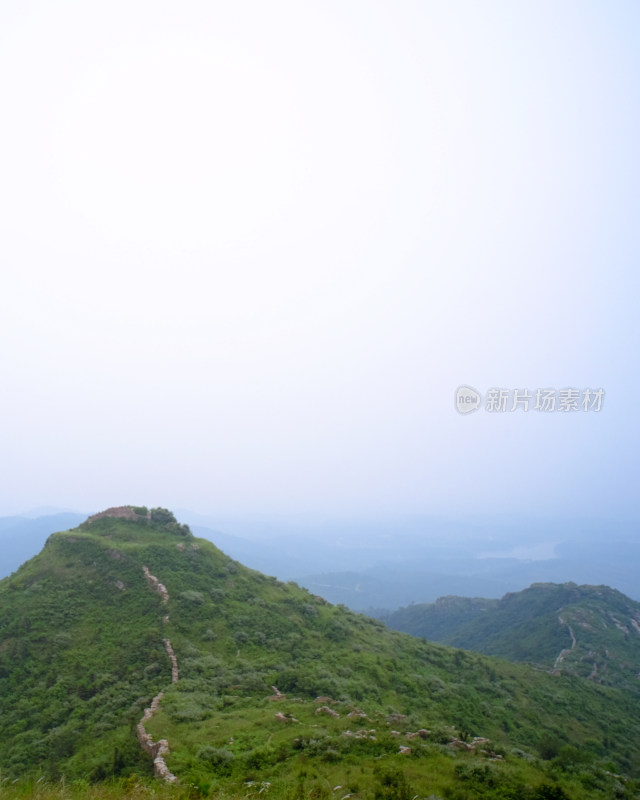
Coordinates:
590 631
83 655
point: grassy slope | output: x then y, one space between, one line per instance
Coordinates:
533 626
80 658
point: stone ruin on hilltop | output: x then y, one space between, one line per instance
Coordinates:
120 512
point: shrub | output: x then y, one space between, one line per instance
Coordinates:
162 516
192 596
217 757
550 791
392 785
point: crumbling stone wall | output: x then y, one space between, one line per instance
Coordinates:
155 584
158 750
120 512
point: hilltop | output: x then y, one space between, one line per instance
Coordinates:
589 631
129 647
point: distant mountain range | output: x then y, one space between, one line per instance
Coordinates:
590 631
387 564
21 537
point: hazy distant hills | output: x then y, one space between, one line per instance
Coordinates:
415 572
252 683
387 564
590 631
21 537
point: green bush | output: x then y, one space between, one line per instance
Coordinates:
392 785
161 516
220 759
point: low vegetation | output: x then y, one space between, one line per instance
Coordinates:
279 693
589 631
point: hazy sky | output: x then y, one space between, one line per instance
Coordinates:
249 250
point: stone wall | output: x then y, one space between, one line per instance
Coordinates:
158 750
120 512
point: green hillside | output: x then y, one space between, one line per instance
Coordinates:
590 631
257 687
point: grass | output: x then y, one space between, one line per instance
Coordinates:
81 655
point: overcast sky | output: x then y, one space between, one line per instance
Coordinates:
249 251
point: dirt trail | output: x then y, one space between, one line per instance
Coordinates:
158 750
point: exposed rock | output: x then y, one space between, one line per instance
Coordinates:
460 745
405 751
361 734
323 699
120 585
285 717
320 600
423 733
327 710
357 713
396 717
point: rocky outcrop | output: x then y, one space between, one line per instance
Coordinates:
478 743
423 733
326 710
285 717
361 734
